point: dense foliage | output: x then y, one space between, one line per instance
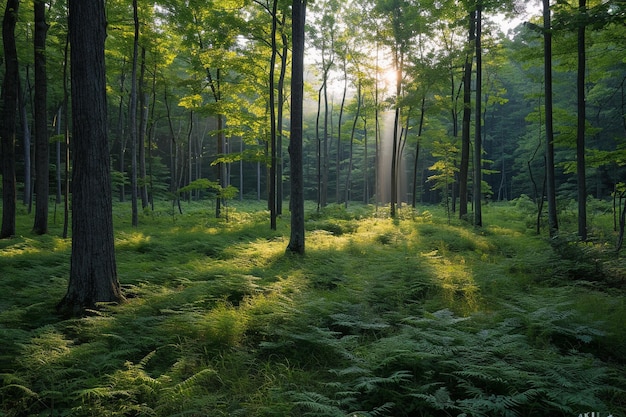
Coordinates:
203 97
380 318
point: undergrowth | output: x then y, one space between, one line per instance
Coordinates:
413 317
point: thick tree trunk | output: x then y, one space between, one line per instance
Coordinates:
296 240
9 117
93 272
42 153
133 119
143 131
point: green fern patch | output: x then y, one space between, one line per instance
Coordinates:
417 316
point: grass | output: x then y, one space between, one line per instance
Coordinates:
411 317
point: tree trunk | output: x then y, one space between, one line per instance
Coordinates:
272 98
351 146
133 119
279 120
550 175
580 136
9 116
27 142
478 148
143 130
93 272
42 154
467 114
296 240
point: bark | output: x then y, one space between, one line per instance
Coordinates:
9 117
133 119
42 153
478 165
296 240
580 137
143 130
93 272
550 174
467 114
272 178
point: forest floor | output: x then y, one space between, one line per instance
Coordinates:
414 316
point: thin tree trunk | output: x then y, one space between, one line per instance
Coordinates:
143 129
580 136
467 114
351 151
550 174
279 120
27 143
42 153
133 119
272 98
478 148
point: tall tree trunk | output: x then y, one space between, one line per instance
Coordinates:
279 120
348 189
338 157
296 240
395 161
272 98
467 114
478 148
580 136
9 117
27 142
93 271
143 130
417 149
547 67
133 118
42 153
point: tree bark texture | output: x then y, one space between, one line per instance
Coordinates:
550 174
93 273
580 137
9 117
467 114
42 153
296 240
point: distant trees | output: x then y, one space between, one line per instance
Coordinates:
196 91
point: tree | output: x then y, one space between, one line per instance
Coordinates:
93 272
296 241
580 131
9 115
42 154
547 65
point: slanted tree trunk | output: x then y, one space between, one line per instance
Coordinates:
9 117
93 272
296 239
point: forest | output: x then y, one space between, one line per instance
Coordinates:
456 169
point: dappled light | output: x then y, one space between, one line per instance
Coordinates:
412 314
